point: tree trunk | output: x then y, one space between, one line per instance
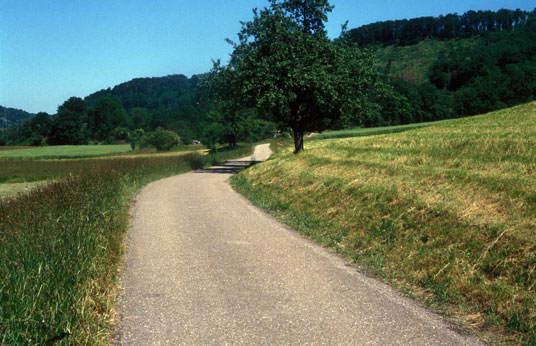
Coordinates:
298 141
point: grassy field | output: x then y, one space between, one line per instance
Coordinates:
370 131
65 151
445 213
61 243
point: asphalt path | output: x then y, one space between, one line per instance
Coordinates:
206 267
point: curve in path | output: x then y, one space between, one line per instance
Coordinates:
205 267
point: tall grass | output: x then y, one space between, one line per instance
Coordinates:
446 213
60 247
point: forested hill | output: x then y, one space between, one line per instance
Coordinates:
485 63
13 117
451 26
169 92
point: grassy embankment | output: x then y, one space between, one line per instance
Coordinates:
61 244
445 213
371 131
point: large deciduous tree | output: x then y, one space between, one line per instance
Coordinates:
107 116
285 65
70 125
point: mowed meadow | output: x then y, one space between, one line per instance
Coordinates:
61 242
445 213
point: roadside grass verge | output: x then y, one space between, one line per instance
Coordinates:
446 214
61 246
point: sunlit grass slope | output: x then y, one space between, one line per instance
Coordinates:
446 213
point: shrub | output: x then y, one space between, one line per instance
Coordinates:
160 139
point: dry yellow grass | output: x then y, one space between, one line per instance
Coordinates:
447 212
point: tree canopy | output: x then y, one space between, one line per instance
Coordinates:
450 26
285 66
70 125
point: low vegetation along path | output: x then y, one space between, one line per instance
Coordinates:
205 267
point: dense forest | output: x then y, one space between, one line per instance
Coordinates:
486 61
451 26
11 117
490 64
129 110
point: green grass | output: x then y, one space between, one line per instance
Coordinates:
61 245
13 189
65 151
446 213
370 131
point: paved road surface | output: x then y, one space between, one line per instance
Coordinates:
205 267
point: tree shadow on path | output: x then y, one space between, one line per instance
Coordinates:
229 167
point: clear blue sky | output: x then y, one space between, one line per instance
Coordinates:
53 49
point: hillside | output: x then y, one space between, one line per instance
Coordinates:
446 213
167 92
413 62
13 117
439 78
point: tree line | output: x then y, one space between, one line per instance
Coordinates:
141 108
451 26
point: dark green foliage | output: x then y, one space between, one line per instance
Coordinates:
285 66
140 117
149 93
120 133
108 115
169 102
70 125
41 124
451 26
13 117
484 78
212 133
160 139
468 77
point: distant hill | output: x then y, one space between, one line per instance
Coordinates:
408 48
169 92
486 63
13 117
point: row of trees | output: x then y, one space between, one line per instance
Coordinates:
452 26
76 122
